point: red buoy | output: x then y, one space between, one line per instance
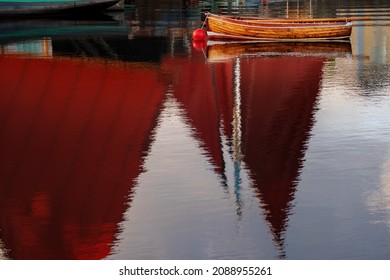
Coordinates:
198 44
199 34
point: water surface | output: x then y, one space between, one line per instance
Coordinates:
120 139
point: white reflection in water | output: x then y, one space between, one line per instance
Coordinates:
379 200
182 209
2 251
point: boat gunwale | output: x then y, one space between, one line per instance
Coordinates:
290 20
281 25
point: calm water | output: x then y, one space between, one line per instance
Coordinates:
120 140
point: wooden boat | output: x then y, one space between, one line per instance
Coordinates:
31 8
251 28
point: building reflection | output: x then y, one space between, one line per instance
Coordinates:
370 43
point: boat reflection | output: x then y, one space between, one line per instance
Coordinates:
216 51
75 134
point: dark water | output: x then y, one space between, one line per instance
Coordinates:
120 140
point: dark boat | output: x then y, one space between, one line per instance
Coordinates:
31 8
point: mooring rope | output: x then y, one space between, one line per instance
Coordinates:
204 22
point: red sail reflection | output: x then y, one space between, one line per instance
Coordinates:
73 134
278 101
278 96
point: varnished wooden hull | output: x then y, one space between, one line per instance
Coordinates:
221 27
